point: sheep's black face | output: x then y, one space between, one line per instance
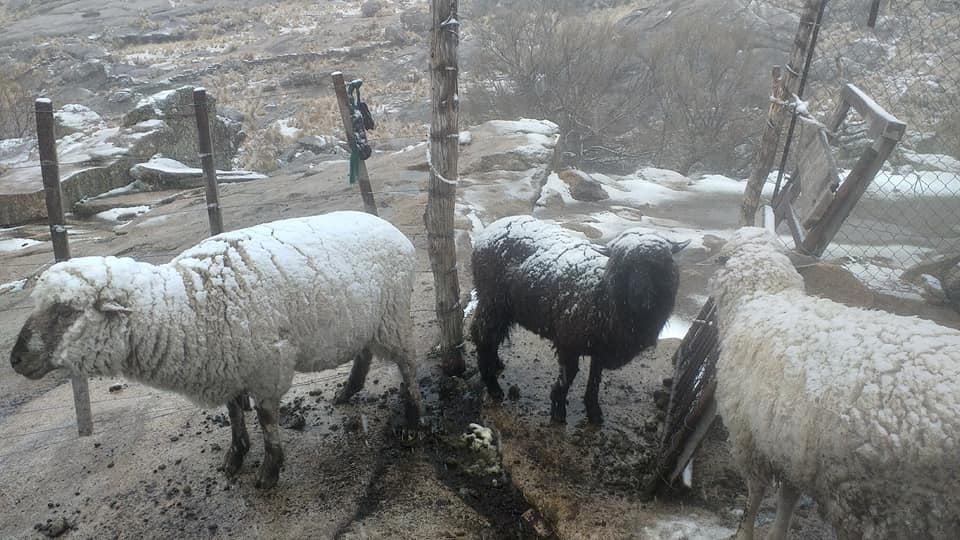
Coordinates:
38 339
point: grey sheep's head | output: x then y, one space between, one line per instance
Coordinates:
38 347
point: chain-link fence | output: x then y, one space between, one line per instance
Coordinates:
908 61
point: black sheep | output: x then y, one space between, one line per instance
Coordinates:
606 302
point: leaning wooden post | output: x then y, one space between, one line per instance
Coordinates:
206 161
50 169
366 192
776 115
441 195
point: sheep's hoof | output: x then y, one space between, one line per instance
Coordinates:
558 412
495 392
342 395
594 416
413 414
269 472
234 457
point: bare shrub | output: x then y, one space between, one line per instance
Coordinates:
581 71
16 104
707 96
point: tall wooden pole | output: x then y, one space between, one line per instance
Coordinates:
50 169
206 161
442 191
363 179
776 115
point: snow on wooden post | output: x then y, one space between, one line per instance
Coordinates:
50 169
784 87
206 161
441 195
363 180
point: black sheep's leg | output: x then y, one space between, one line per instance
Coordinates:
489 329
240 443
358 375
569 365
273 456
592 397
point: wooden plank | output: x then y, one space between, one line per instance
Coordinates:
848 195
363 180
818 175
705 419
889 127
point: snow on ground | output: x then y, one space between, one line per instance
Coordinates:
13 286
116 191
15 244
286 130
676 327
555 185
916 184
123 214
151 221
79 118
685 528
524 125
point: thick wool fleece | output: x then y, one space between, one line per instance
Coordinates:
858 408
609 302
241 311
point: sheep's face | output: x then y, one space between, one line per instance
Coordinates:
752 262
33 354
40 346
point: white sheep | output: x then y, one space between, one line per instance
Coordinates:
238 313
859 409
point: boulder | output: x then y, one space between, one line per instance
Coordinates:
583 187
370 8
179 142
165 173
73 118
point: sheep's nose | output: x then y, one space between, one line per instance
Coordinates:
15 358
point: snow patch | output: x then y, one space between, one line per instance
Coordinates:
123 214
13 286
676 328
10 245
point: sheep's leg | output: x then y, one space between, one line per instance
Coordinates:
240 444
569 365
267 410
358 375
592 397
405 356
413 404
489 329
786 502
756 487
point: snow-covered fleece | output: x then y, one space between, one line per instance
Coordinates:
241 311
860 409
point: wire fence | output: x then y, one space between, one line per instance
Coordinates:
905 54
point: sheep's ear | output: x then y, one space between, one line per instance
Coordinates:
801 260
677 247
113 307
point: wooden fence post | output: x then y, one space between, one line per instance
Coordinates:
366 192
50 169
206 161
441 195
776 114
